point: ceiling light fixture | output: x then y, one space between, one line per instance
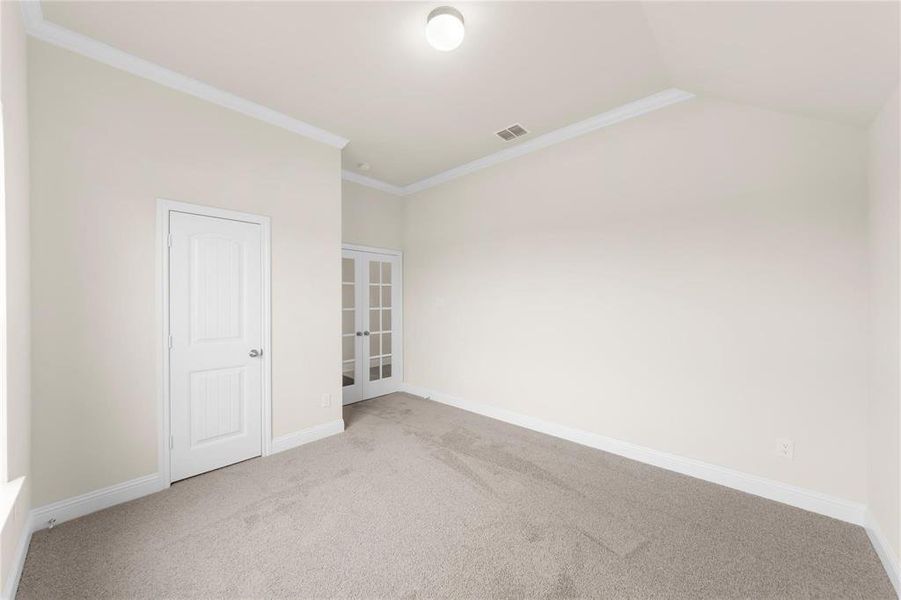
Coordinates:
444 28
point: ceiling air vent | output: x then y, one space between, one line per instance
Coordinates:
512 132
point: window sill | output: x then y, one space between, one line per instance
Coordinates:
9 494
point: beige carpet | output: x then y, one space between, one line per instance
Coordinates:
422 500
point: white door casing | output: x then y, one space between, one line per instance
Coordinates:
372 322
215 310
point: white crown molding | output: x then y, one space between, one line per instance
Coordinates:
599 121
38 27
370 182
604 119
837 508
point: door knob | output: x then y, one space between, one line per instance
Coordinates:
254 353
365 333
359 333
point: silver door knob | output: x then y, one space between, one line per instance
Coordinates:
254 353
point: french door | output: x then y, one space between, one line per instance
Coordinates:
371 323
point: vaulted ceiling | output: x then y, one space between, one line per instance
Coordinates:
364 71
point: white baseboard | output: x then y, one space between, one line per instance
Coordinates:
305 436
12 583
79 506
884 550
837 508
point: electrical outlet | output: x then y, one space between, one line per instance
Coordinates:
785 448
326 400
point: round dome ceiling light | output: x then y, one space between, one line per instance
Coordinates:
444 28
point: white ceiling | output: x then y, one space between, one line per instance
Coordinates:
363 70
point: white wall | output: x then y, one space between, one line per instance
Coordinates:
693 281
884 224
370 217
105 146
16 377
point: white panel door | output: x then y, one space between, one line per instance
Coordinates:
371 331
215 316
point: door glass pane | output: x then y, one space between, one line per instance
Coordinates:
373 369
347 295
374 296
386 272
386 343
386 367
374 272
374 320
347 270
374 344
347 321
386 295
386 320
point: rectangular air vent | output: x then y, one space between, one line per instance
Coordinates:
512 132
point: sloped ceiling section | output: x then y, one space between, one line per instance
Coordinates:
363 70
830 60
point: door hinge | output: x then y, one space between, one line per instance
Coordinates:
171 442
169 240
170 342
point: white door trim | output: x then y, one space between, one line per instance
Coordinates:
163 208
373 249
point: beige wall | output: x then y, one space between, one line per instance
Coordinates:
370 217
16 378
882 433
105 146
693 281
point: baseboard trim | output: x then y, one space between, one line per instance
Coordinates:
305 436
884 551
12 584
837 508
79 506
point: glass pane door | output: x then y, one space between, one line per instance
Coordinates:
380 292
371 286
351 334
381 319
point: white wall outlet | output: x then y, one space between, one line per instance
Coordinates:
326 400
785 448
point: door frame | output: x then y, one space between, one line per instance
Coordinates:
397 324
163 208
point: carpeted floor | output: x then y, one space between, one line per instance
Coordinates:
418 499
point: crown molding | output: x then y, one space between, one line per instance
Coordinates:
38 27
605 119
373 183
